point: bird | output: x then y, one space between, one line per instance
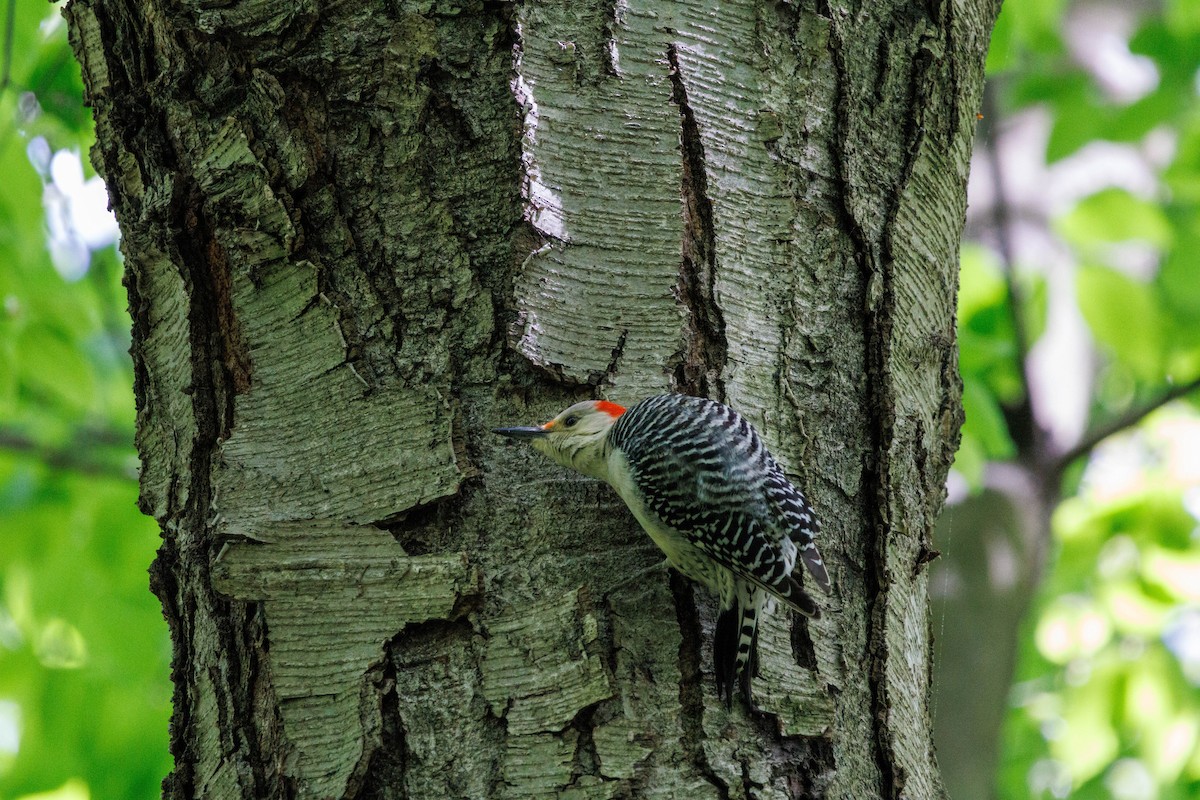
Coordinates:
701 483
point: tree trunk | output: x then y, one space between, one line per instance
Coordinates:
359 236
993 547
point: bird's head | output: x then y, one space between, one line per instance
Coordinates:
575 438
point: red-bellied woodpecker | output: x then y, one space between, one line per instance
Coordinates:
698 478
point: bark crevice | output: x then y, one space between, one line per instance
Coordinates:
705 348
879 407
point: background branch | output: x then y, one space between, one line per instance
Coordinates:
1022 422
1127 420
78 456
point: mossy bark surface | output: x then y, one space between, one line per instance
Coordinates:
359 236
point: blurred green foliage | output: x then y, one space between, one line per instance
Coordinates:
84 656
1106 701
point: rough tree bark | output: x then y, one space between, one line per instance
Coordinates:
358 236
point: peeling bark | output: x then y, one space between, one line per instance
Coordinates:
358 237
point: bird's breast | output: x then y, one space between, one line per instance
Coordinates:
677 547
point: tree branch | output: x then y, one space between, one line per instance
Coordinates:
1001 221
1124 421
72 458
1023 426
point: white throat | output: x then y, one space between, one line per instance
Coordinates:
582 453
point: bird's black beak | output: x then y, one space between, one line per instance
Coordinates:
527 432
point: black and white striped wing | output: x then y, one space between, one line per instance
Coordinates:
706 474
800 522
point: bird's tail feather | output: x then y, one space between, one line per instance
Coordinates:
735 644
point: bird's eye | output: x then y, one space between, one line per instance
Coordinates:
570 421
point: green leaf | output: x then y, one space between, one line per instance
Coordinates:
1123 315
1132 122
1115 215
1024 27
1178 278
1182 17
986 350
980 281
53 367
1090 742
985 421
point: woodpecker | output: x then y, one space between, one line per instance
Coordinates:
698 478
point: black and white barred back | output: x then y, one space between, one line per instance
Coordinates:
703 471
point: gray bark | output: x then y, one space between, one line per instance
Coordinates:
359 236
